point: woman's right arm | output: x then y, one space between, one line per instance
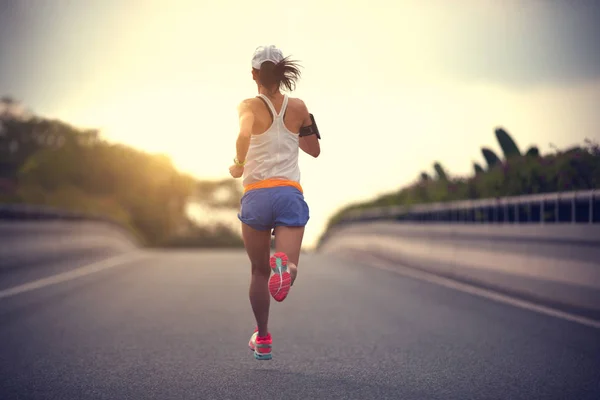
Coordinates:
309 144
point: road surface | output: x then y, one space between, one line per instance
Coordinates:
175 325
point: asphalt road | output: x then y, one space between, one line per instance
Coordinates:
175 325
33 250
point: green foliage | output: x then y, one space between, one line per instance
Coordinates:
577 168
477 168
218 236
58 165
508 145
440 172
490 158
219 194
533 152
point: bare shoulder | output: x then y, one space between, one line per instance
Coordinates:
296 102
297 105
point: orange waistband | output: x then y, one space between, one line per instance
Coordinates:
269 183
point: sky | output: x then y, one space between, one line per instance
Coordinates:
394 85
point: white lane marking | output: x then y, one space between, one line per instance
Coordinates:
73 274
477 291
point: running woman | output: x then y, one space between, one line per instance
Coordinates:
267 158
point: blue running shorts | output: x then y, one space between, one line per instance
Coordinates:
264 209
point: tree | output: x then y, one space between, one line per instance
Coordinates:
12 108
441 174
56 164
490 157
218 194
533 152
576 168
508 145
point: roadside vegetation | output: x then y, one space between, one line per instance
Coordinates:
514 172
51 163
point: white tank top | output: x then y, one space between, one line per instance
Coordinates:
273 154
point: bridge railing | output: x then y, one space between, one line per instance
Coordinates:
542 248
20 212
577 207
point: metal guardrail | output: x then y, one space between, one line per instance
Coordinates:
561 207
29 212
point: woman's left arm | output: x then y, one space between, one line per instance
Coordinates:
309 144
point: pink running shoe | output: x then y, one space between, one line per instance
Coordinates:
281 280
261 346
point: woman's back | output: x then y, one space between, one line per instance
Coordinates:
273 151
294 113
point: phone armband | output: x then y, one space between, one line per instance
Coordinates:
312 129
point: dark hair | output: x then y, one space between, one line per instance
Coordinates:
285 73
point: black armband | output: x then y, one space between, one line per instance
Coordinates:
312 129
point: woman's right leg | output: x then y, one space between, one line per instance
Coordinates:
258 247
291 215
288 240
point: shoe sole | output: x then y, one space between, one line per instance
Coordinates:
263 357
259 356
281 280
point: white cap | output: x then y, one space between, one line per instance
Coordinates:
266 53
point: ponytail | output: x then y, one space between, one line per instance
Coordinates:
284 74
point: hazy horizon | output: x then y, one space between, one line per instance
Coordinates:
394 86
